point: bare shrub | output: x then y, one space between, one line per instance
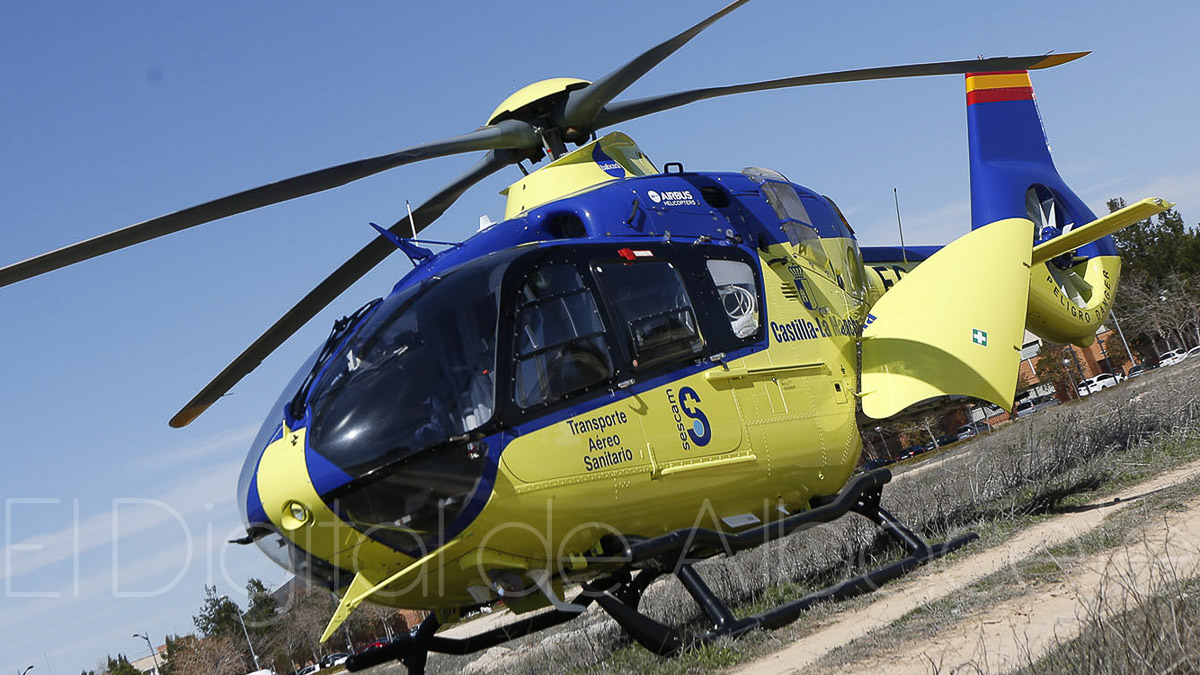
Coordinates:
216 655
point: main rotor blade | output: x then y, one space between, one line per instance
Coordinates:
628 110
342 278
505 134
584 104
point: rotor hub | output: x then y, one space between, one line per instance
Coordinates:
529 98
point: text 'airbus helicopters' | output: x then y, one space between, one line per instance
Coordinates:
559 399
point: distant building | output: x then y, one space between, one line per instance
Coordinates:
147 665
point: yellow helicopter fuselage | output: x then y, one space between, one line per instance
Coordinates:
726 441
733 442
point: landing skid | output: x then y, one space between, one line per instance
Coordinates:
620 594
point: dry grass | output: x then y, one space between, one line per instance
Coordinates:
994 485
1141 633
1039 573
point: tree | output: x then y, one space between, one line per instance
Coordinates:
1158 297
302 621
218 616
915 431
263 606
176 646
1161 247
262 619
1118 356
378 619
121 666
1052 370
216 655
175 643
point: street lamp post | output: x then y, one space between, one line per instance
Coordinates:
1120 332
1079 368
153 654
1104 351
882 440
246 633
1071 376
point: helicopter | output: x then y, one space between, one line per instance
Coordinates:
626 346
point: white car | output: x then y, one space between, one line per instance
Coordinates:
1095 384
1171 358
971 430
1194 351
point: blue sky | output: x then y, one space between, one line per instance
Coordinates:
117 112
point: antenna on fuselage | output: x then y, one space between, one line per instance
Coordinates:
412 224
903 252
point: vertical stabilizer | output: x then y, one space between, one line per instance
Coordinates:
1013 176
1012 173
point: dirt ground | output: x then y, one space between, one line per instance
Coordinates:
1005 636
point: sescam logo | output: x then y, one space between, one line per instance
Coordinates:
699 431
672 197
608 164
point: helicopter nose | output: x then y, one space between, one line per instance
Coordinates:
316 541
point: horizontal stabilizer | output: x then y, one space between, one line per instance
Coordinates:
952 326
1101 227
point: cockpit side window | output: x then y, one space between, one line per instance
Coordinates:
561 347
650 300
794 220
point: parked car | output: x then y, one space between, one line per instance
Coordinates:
1032 404
972 429
1136 370
374 645
1194 351
1095 384
1171 358
871 465
309 670
331 660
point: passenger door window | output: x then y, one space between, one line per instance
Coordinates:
652 304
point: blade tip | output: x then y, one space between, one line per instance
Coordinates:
186 416
1052 60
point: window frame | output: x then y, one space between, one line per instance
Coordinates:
691 264
625 325
520 275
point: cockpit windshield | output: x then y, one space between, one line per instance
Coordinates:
419 372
